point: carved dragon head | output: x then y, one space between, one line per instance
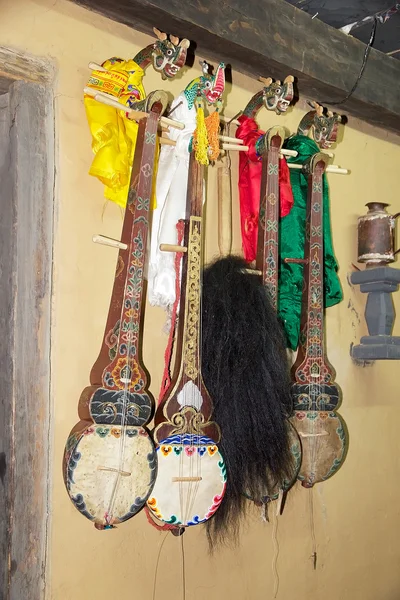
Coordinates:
324 127
278 96
169 55
209 87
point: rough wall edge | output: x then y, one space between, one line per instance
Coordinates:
32 100
18 65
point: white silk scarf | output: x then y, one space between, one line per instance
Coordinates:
171 189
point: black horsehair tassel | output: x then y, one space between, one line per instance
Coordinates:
246 371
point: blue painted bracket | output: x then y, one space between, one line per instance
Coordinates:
379 283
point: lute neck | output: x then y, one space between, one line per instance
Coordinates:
311 361
124 316
191 273
187 407
268 233
139 203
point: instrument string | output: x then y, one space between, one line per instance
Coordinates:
182 434
310 440
314 335
194 455
109 514
320 334
166 380
183 568
315 331
270 246
157 565
319 175
274 296
311 341
312 527
188 400
124 413
198 376
151 124
199 334
277 485
200 322
194 184
276 191
275 557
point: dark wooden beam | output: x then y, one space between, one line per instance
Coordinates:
273 38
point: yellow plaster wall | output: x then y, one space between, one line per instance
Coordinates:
357 514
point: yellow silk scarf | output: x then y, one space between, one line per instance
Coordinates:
113 135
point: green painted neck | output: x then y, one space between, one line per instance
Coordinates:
143 58
254 105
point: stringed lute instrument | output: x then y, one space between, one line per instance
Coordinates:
267 260
110 461
191 472
316 395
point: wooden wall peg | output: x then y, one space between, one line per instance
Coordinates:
104 98
172 248
107 241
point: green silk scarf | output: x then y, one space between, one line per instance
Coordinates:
291 235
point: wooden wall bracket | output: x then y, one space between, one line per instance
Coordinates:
379 283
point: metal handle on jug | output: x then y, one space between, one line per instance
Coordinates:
395 217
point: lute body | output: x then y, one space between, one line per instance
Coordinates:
191 472
110 460
316 396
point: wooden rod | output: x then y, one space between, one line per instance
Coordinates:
175 479
135 115
296 261
95 67
166 141
237 147
306 435
107 241
104 98
285 152
288 152
172 123
232 146
282 152
113 470
330 169
89 91
252 271
226 138
228 120
172 248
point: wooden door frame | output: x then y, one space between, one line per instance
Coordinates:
26 258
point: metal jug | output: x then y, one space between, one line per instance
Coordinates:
376 236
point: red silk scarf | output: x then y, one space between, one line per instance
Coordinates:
250 167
